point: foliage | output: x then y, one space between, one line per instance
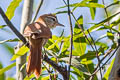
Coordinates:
86 43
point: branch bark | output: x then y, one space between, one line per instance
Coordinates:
71 39
26 18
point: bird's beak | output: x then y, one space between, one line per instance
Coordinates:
58 24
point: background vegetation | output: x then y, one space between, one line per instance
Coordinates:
93 46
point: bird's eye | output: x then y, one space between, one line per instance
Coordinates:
53 19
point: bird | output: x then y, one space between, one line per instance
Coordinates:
37 34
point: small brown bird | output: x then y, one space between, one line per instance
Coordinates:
38 33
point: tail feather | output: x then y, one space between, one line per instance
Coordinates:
38 68
35 56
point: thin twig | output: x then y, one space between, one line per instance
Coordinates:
71 39
106 61
117 2
49 72
105 9
37 10
96 53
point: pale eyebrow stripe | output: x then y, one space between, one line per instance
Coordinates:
52 17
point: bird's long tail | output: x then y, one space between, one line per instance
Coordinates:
35 58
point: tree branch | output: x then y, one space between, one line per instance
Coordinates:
12 27
38 9
71 39
62 70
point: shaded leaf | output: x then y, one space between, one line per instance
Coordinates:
93 28
10 40
75 63
2 76
89 55
82 4
24 49
61 12
9 48
7 68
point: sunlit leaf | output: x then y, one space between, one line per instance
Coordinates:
10 78
11 8
66 45
45 78
106 75
24 49
7 68
93 10
30 77
2 26
110 35
79 45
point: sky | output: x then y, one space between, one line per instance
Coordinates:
49 6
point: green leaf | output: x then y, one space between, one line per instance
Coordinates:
11 8
10 78
110 35
2 76
79 45
2 26
9 40
54 46
24 49
7 68
75 63
106 75
9 48
30 77
78 73
82 4
66 44
93 28
89 55
61 12
92 11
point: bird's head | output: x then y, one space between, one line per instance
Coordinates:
50 20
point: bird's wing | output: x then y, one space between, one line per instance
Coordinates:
37 30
